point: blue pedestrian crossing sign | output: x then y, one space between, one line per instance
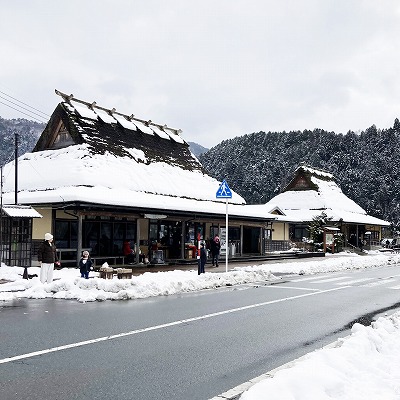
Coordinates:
224 192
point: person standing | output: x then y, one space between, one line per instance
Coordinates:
47 256
203 259
215 249
85 265
128 252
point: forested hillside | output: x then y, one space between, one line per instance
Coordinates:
366 165
28 133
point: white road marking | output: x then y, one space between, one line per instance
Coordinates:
394 287
354 281
162 326
291 287
378 283
327 280
310 278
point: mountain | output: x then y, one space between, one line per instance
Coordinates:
28 134
197 149
366 165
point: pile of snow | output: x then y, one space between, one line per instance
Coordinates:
364 365
67 283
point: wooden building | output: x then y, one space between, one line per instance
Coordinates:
312 192
99 177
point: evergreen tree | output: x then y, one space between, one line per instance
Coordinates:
366 165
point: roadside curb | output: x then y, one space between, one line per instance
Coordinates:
236 392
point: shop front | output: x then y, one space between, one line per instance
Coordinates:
154 238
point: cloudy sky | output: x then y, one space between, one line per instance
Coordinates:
214 68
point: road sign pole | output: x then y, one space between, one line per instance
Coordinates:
226 239
225 193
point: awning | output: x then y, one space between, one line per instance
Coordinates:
17 211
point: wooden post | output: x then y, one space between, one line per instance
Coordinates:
79 249
137 256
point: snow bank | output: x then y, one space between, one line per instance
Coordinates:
69 285
361 366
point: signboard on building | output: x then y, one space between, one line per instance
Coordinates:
222 239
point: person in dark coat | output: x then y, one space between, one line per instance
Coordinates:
85 265
202 259
47 257
215 249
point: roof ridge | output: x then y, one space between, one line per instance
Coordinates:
91 106
314 170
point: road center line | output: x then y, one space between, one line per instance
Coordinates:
162 326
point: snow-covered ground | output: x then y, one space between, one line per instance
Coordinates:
363 365
67 283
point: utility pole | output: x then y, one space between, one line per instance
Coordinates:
1 215
16 168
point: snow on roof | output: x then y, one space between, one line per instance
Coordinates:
19 211
117 164
143 127
314 171
304 216
174 135
125 123
304 205
94 112
123 197
328 196
105 117
85 112
76 166
159 132
74 174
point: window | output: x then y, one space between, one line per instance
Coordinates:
66 234
119 237
16 241
193 231
298 232
233 234
63 138
153 230
102 236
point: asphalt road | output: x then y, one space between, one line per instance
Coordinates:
192 346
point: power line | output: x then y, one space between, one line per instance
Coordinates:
30 116
26 109
19 101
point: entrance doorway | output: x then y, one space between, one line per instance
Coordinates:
251 240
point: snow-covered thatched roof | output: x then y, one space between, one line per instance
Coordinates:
312 192
89 154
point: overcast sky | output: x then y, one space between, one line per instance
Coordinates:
214 68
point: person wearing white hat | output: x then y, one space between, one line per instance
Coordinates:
47 256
